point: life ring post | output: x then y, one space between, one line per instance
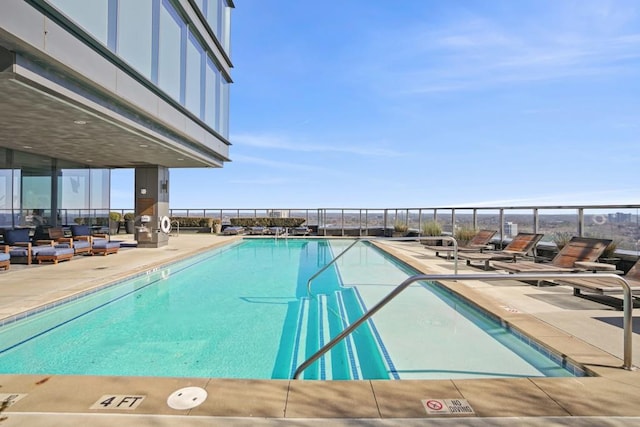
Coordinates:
165 224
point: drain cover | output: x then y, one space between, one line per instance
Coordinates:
187 398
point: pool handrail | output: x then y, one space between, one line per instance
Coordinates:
627 306
369 239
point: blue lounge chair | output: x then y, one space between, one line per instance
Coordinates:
233 230
57 238
100 243
5 258
21 248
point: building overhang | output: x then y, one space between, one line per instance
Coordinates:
36 119
63 98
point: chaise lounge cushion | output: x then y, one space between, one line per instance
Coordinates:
104 246
81 246
53 253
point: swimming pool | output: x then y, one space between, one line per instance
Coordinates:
242 311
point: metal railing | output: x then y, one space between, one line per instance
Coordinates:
627 306
393 239
620 222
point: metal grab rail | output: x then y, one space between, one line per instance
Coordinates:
627 306
177 226
368 239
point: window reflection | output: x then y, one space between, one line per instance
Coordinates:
170 55
90 15
195 57
135 31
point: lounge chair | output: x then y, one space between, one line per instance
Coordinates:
520 245
578 250
479 242
300 231
100 243
233 230
257 230
21 249
5 257
602 286
57 238
276 231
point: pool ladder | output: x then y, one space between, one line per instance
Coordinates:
627 302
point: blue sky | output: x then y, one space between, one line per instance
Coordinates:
424 103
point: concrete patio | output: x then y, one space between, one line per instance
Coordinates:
584 331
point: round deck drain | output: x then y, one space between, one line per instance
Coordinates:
187 398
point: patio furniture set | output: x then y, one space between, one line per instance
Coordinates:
19 247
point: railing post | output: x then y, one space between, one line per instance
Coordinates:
453 222
501 227
581 222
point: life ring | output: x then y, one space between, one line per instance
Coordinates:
599 219
165 224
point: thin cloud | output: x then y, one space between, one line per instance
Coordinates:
259 181
617 196
476 53
286 143
281 165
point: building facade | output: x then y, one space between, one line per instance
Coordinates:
89 86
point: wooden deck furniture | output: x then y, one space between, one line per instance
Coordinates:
5 258
479 242
604 286
520 245
577 249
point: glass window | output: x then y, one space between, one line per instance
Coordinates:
135 34
34 187
211 94
91 15
6 190
225 29
100 182
214 16
170 51
193 92
223 109
73 189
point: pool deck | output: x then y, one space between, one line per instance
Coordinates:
584 331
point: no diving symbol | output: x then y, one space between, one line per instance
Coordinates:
434 405
447 407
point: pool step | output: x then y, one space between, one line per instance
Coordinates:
318 321
352 354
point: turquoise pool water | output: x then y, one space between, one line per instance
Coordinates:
243 311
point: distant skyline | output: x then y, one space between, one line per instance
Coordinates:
422 103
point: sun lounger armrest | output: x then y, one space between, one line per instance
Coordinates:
45 242
514 253
101 236
22 244
595 266
85 238
5 248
